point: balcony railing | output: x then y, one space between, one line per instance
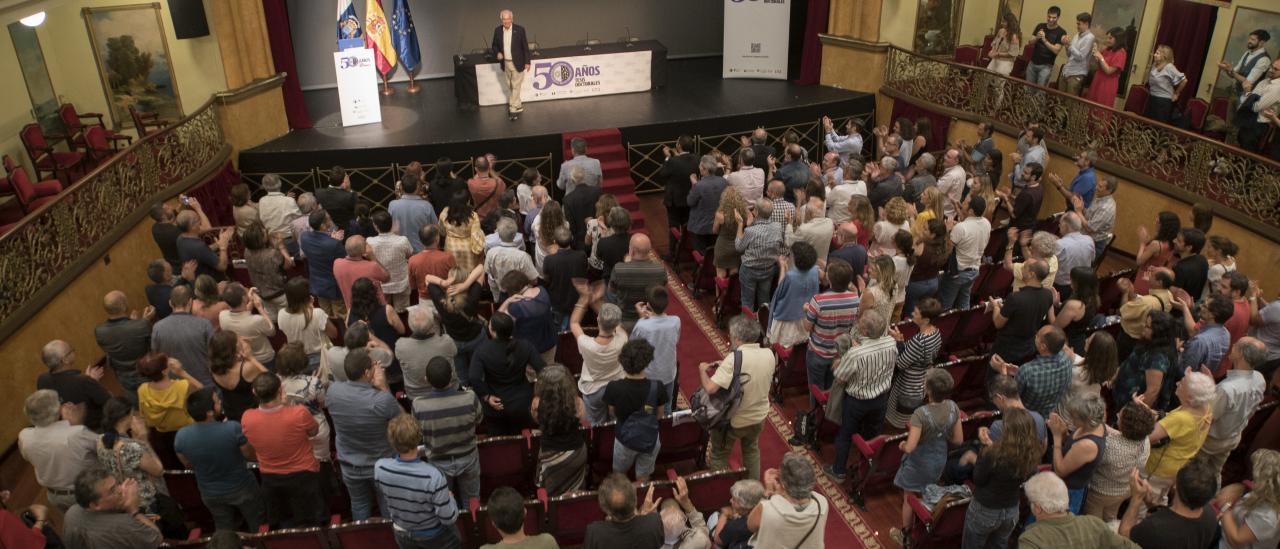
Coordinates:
1181 163
51 247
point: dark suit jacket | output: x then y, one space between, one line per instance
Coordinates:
579 206
704 200
675 172
340 203
519 45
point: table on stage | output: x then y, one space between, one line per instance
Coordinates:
564 72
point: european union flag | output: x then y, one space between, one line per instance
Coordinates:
404 37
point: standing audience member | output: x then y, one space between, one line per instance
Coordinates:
83 390
303 322
56 445
424 513
184 336
430 261
267 259
322 246
498 375
1056 527
309 391
589 166
1076 457
509 256
462 235
1184 428
393 251
792 513
1254 519
1191 271
410 212
162 399
361 408
797 285
1111 59
427 342
485 188
1017 317
633 278
599 357
967 241
704 200
359 263
1004 464
756 365
1236 399
337 198
1164 85
108 513
759 241
1149 371
1079 48
1046 378
915 358
1188 522
934 428
1127 448
447 418
579 207
635 394
677 169
240 320
124 337
191 247
1047 38
124 449
662 331
234 368
864 372
280 434
562 455
216 450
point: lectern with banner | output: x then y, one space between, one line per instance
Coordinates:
357 86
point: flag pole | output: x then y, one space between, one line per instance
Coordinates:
413 84
386 86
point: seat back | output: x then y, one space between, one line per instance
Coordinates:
137 120
967 55
1197 111
947 323
1218 107
601 450
9 164
684 442
1109 294
567 353
292 538
505 461
937 528
885 459
971 424
33 138
974 330
96 139
184 490
709 490
534 514
22 188
1136 102
70 118
569 515
373 532
970 377
907 328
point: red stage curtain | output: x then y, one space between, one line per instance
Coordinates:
941 123
1187 27
277 16
811 59
215 195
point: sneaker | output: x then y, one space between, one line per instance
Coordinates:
897 536
831 472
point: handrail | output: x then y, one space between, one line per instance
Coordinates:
1180 163
52 245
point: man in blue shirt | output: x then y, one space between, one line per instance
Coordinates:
1210 341
322 245
411 211
663 332
360 409
1084 184
979 151
794 171
216 450
421 507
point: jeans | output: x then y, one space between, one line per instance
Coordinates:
670 388
597 410
1039 74
624 458
918 290
244 503
864 417
360 488
445 538
722 441
295 495
755 285
817 372
988 528
954 289
463 473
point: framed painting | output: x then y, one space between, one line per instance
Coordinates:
1109 14
1246 21
133 59
937 26
44 101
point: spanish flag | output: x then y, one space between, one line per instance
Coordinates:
377 35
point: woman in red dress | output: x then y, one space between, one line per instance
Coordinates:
1155 252
1111 60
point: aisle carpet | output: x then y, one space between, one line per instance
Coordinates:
701 342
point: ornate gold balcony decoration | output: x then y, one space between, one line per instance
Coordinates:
52 246
1181 163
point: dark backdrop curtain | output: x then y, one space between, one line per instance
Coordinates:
277 16
215 195
940 122
1187 27
811 56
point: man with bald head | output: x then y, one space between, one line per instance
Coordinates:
624 525
191 246
72 386
794 170
853 253
357 265
185 336
1018 316
783 210
760 243
124 337
1044 380
633 277
1238 396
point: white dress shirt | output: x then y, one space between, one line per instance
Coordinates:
506 44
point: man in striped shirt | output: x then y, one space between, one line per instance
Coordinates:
866 371
448 418
759 240
827 316
417 494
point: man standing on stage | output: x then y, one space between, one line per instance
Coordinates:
512 47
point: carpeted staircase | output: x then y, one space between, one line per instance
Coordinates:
606 146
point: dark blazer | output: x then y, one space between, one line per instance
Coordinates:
704 200
579 206
340 203
519 45
675 172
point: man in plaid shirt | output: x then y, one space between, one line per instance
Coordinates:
759 243
1046 379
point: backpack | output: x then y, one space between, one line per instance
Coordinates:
714 410
640 431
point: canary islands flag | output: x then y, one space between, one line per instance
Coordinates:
348 23
405 37
377 35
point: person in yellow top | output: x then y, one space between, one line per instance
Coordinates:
162 400
1185 428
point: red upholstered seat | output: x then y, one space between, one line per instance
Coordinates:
373 532
184 490
876 462
76 126
1197 111
146 123
708 491
506 461
937 528
600 450
295 538
569 515
1136 101
61 165
967 55
973 331
28 197
686 442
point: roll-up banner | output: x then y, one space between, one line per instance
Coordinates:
756 33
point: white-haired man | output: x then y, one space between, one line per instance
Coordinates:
56 445
511 46
1055 526
278 210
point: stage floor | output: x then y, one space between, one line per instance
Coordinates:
429 123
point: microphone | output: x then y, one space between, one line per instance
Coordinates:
487 54
629 39
535 46
587 43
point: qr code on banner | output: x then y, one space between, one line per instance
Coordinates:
755 47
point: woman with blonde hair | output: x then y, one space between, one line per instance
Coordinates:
879 292
894 216
1253 520
862 217
559 412
727 259
544 228
933 203
981 185
1164 85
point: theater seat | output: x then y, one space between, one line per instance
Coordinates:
1136 101
569 515
1109 293
506 461
535 511
974 330
294 538
938 527
372 532
970 377
600 448
709 491
877 461
184 490
682 443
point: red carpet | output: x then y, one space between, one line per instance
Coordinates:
606 146
701 342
